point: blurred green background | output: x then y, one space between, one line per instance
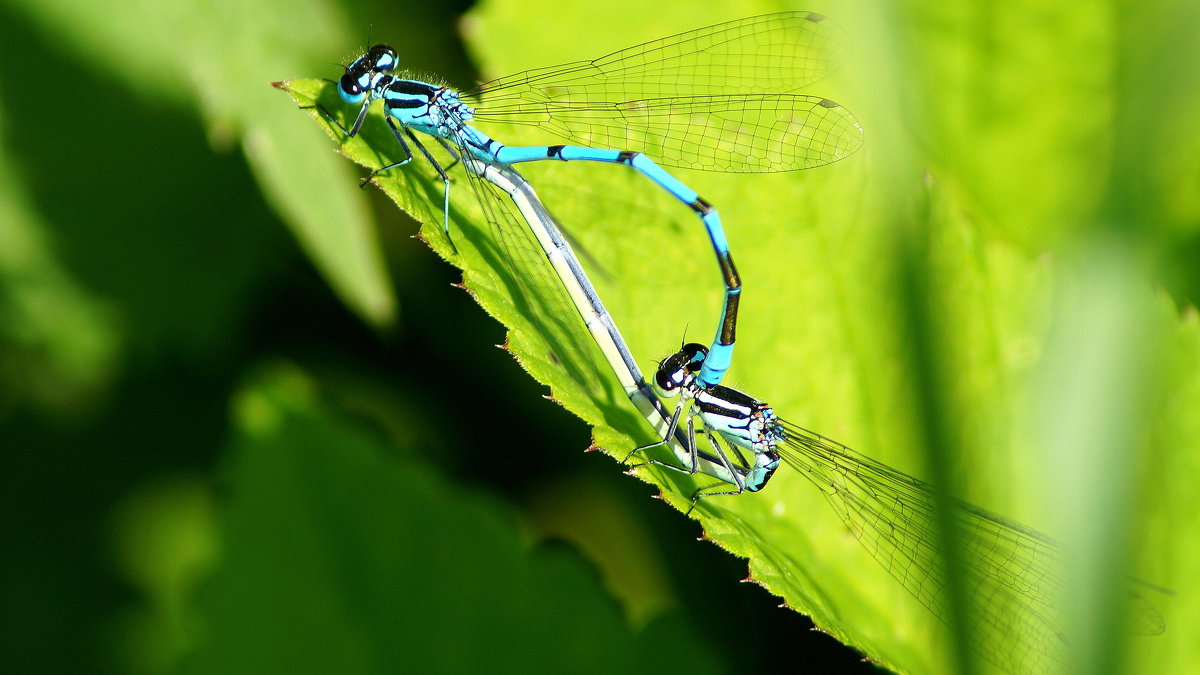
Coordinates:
249 425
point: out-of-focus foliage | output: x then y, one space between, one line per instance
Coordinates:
1004 274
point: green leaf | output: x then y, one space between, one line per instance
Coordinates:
823 332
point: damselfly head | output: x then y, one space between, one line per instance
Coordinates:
366 72
679 369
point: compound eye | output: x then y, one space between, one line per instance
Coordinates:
667 382
664 381
350 89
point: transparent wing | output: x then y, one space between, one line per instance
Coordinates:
1012 570
715 98
772 53
752 133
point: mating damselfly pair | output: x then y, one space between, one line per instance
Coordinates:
717 98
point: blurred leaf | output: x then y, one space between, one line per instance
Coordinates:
58 343
340 556
165 541
217 58
140 229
